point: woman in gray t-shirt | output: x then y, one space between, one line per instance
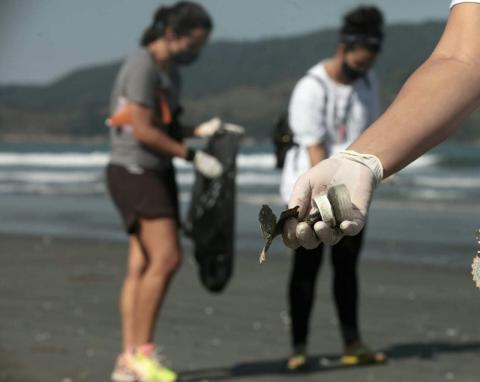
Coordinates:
145 136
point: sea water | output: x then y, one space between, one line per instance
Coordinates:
428 213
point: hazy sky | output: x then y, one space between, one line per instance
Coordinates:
43 39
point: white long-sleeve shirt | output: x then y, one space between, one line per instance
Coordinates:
324 111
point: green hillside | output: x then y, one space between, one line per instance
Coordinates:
244 82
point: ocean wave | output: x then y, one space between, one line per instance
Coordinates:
253 161
83 172
427 160
434 194
100 159
447 182
52 189
50 176
255 179
265 161
65 177
93 159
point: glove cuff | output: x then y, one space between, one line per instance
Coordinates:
190 154
368 160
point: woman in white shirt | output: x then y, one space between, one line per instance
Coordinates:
330 107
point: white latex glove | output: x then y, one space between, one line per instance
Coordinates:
359 172
232 128
209 128
207 165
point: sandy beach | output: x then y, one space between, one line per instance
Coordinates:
59 321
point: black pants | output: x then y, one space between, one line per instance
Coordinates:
306 264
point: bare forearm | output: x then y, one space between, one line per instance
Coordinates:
436 98
151 136
161 142
430 106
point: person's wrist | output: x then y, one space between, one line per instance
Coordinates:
368 160
192 131
190 154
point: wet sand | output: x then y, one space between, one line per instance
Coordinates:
59 321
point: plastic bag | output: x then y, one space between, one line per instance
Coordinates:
211 218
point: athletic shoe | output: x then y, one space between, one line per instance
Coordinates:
122 372
148 367
298 360
360 354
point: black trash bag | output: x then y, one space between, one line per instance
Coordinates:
211 218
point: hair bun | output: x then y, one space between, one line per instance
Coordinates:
161 14
364 18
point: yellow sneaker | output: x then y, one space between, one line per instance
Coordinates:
148 368
359 354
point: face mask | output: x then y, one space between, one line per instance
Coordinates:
350 73
185 58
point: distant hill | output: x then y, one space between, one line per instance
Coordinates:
244 82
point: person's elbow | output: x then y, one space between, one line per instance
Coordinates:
459 68
459 42
464 59
141 123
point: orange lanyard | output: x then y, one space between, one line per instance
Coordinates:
123 115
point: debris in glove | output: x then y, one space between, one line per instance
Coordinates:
333 207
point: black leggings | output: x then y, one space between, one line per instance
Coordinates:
306 264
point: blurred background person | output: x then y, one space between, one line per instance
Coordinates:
145 136
329 108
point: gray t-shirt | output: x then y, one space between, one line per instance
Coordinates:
141 80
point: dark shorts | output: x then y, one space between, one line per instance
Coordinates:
146 195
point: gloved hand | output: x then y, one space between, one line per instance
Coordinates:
359 172
207 165
209 128
232 128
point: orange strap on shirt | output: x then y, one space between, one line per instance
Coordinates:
165 110
124 115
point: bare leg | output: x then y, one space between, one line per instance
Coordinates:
135 269
159 241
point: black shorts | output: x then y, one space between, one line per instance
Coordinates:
147 195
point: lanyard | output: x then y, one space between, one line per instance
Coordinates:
346 114
340 120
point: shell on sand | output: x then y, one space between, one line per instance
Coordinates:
476 271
